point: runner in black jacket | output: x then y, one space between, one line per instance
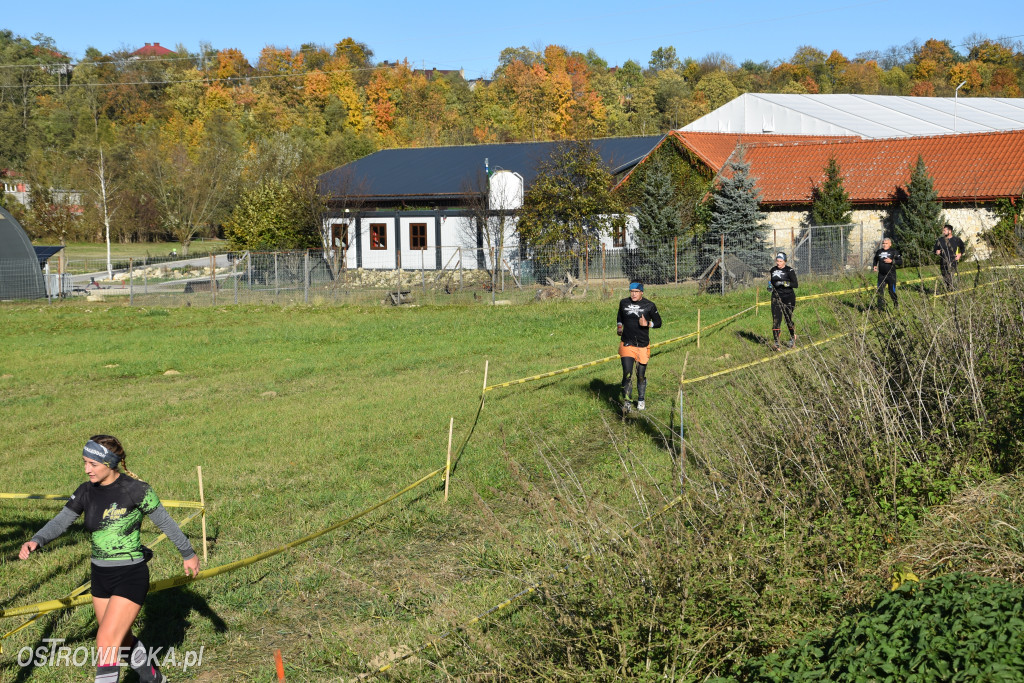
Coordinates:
887 259
781 284
636 317
949 249
114 503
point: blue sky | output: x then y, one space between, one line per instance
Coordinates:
471 35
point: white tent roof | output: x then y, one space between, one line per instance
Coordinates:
867 116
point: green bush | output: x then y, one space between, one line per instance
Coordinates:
956 627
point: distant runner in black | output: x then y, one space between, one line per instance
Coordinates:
781 284
887 259
949 249
637 316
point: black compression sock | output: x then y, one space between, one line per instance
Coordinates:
144 666
108 674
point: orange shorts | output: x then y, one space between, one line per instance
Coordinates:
641 354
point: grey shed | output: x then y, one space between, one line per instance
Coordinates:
20 275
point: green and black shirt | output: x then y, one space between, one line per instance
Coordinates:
113 513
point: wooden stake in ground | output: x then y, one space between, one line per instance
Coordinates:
483 392
682 434
448 462
202 501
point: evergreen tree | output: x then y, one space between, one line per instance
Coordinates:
735 214
830 203
658 222
920 219
830 211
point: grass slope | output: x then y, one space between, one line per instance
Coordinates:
301 416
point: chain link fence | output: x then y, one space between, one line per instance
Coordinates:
438 274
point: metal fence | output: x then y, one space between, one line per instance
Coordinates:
713 263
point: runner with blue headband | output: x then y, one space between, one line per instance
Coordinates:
637 317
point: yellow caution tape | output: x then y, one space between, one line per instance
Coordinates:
608 359
767 359
88 584
505 603
164 584
865 288
809 346
46 496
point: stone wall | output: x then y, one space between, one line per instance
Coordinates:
865 237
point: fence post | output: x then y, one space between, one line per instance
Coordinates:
248 268
275 275
213 277
721 263
810 252
305 278
234 279
603 271
460 268
675 249
131 282
861 246
398 278
145 275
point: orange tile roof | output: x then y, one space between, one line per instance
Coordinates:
965 167
714 148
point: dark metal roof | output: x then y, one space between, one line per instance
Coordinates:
439 173
44 253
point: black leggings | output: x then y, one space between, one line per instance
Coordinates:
782 308
627 378
887 283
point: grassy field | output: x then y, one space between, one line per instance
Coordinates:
301 416
138 250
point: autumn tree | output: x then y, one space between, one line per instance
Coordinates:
919 217
189 172
569 204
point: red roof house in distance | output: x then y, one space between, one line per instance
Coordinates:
152 50
971 172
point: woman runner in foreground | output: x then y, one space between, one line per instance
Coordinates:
113 505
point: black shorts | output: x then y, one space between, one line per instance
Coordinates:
129 581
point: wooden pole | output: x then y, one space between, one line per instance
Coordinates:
213 277
448 463
682 433
486 364
698 329
603 272
202 501
131 281
676 250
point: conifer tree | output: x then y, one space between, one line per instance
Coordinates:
658 222
830 213
920 219
830 203
735 214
